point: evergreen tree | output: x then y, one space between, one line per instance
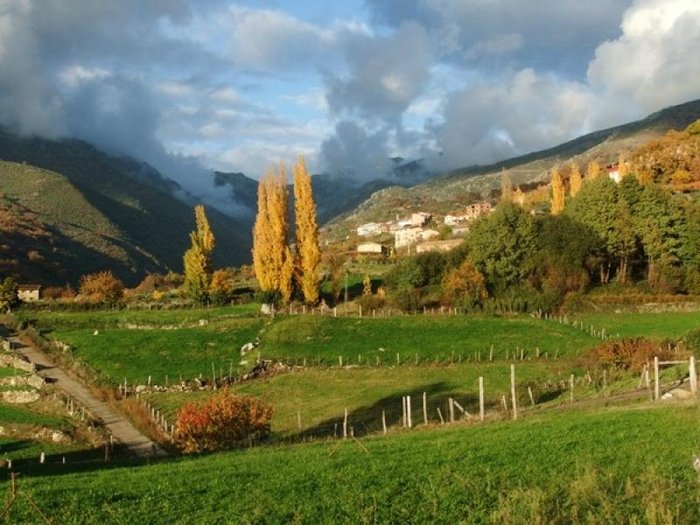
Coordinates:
308 250
558 193
197 259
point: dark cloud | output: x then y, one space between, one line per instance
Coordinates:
355 152
385 74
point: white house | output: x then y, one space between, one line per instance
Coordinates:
370 228
373 248
407 237
29 293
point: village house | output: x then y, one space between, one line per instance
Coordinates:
470 213
29 293
479 208
420 218
614 172
438 246
368 229
407 237
371 248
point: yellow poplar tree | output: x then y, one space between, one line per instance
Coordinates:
622 166
308 250
506 186
271 256
197 259
262 238
593 170
575 181
558 193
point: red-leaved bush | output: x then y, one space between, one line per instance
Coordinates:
225 420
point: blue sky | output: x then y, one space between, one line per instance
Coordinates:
192 86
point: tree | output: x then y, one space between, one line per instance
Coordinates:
501 246
506 186
592 171
222 286
558 193
575 181
622 167
8 294
308 251
598 206
101 287
272 259
465 286
197 259
366 285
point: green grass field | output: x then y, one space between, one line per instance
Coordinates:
610 466
24 415
667 325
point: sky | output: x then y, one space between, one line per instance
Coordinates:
192 86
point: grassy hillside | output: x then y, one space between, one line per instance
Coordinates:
52 234
575 467
133 200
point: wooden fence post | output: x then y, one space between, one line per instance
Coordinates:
403 411
514 401
571 387
693 375
657 389
442 419
345 425
384 422
451 410
425 408
481 398
532 398
408 411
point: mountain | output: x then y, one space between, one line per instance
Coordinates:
96 211
335 193
452 190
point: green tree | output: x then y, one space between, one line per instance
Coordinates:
8 294
501 246
599 206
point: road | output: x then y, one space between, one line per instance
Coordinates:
123 431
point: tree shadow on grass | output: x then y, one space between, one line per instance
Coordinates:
368 419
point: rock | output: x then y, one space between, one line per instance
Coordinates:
141 388
19 396
203 322
267 309
58 437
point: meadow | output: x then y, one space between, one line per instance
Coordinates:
173 344
612 465
659 326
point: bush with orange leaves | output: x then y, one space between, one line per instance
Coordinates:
101 287
225 420
629 354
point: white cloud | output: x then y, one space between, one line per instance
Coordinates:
654 63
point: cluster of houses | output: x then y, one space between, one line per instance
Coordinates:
412 235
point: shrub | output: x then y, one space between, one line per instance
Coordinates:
692 341
628 354
224 421
101 287
222 286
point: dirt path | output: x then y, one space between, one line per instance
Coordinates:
122 429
